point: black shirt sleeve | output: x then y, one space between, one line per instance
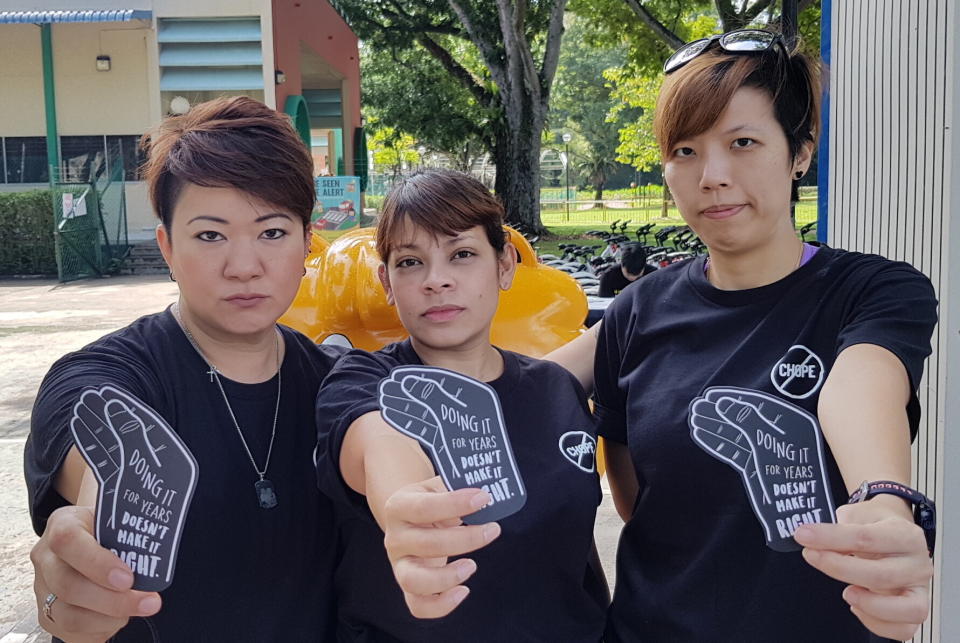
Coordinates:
348 392
609 398
897 310
50 438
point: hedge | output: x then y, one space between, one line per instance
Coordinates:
26 233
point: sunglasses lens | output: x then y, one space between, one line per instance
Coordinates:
747 40
684 54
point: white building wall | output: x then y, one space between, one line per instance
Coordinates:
892 110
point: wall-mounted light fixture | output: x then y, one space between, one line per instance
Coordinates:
103 63
179 105
279 77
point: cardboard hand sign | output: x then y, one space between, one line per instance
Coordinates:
459 422
146 480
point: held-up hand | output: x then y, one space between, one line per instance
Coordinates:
93 591
422 529
884 558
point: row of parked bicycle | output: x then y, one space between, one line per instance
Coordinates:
586 262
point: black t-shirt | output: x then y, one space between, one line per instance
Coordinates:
613 280
540 580
243 573
692 563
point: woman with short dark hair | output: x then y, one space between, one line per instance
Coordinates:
532 575
232 184
745 395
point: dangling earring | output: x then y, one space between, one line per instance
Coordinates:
172 278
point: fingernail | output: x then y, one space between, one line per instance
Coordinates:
465 569
811 555
491 531
149 605
480 500
458 594
120 578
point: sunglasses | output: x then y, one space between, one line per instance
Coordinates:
742 41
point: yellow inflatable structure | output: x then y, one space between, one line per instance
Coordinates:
341 295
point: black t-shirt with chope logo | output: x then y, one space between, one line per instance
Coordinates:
541 579
693 564
243 573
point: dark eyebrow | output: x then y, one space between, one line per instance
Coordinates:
273 215
260 219
452 240
741 128
206 217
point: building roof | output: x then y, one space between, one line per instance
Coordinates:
85 15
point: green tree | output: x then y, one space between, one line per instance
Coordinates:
582 103
447 118
518 42
393 148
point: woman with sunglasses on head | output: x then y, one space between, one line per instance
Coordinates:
532 575
749 393
257 546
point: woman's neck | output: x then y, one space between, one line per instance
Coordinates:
248 359
756 268
481 361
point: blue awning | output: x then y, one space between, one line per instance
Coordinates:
91 15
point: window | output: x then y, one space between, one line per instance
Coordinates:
82 158
26 159
125 149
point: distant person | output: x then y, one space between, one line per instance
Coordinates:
633 265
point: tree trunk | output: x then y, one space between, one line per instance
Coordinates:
665 208
598 183
518 179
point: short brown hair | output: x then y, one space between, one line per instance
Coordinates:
441 202
693 97
229 142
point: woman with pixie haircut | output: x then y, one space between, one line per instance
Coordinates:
535 575
232 185
745 395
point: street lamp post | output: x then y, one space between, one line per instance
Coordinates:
567 136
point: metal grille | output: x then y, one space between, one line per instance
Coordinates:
90 223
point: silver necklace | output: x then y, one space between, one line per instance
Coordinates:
266 494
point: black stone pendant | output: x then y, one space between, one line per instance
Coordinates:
265 494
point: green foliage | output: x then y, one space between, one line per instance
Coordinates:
26 233
581 102
637 144
392 148
612 21
447 118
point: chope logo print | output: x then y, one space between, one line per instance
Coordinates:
146 478
798 374
460 423
580 448
777 448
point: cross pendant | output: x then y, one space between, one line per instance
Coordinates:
212 372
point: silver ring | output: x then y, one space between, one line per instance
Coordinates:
48 606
